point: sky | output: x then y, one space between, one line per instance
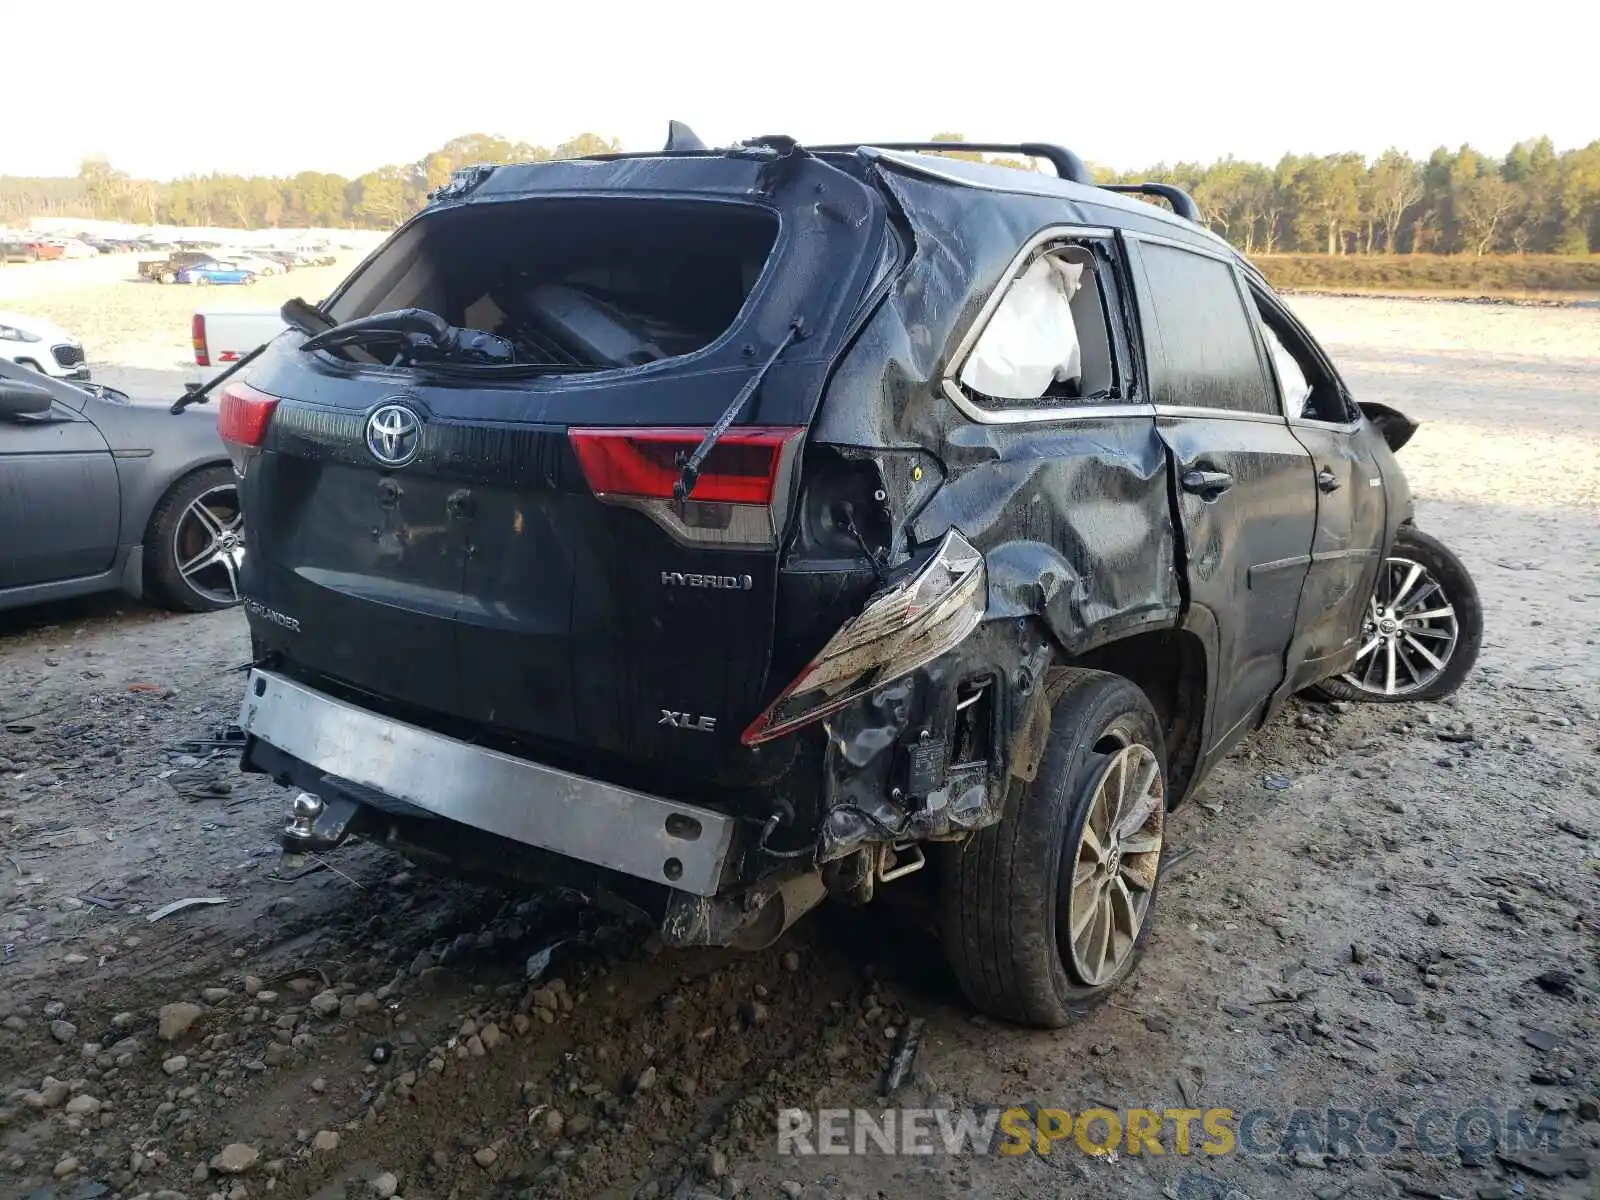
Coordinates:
166 88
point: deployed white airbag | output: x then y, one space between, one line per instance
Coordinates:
1031 341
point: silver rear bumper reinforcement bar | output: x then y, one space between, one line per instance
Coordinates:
678 845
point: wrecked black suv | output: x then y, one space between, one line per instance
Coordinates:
729 529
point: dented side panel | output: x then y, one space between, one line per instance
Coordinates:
1074 520
1073 517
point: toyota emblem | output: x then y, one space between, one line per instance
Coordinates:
394 435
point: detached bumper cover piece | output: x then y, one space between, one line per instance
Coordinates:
899 630
678 845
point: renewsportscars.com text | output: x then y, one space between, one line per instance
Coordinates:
1480 1130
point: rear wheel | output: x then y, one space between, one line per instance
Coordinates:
1048 911
1422 631
167 277
195 543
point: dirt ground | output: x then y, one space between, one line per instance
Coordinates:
1385 911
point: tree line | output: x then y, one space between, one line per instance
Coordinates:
380 199
1533 200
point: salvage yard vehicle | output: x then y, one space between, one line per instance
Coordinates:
222 337
256 264
41 346
98 493
165 270
730 529
216 271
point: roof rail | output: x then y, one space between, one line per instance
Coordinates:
1067 164
1182 203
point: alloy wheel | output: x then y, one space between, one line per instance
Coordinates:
1409 633
208 544
1115 863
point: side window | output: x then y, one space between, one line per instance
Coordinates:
1049 341
1209 357
1309 393
1292 384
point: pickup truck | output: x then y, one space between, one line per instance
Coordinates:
222 338
165 270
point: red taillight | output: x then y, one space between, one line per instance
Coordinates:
197 334
742 468
243 414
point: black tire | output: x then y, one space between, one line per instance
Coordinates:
1462 595
1001 890
164 582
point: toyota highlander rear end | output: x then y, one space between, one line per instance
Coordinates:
536 536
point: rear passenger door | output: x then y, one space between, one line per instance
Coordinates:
1245 487
1350 496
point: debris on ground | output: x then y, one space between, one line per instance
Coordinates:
177 906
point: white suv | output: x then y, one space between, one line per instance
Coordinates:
32 342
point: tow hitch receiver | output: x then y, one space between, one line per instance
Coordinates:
316 824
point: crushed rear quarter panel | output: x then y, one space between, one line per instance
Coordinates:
1074 516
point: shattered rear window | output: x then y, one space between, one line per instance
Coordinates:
593 283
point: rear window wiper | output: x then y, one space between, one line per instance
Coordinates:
424 337
304 317
690 474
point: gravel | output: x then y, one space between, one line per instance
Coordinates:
235 1158
176 1019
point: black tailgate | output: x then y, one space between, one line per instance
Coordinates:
485 580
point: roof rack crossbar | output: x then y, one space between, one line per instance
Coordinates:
1182 203
1067 164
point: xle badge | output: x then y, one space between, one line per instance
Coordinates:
683 720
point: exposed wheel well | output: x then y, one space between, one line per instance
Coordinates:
1169 666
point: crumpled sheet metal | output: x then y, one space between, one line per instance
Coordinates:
1074 519
863 764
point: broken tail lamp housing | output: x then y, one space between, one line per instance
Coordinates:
243 414
733 506
901 629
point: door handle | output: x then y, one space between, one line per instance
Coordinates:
1207 484
1327 480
